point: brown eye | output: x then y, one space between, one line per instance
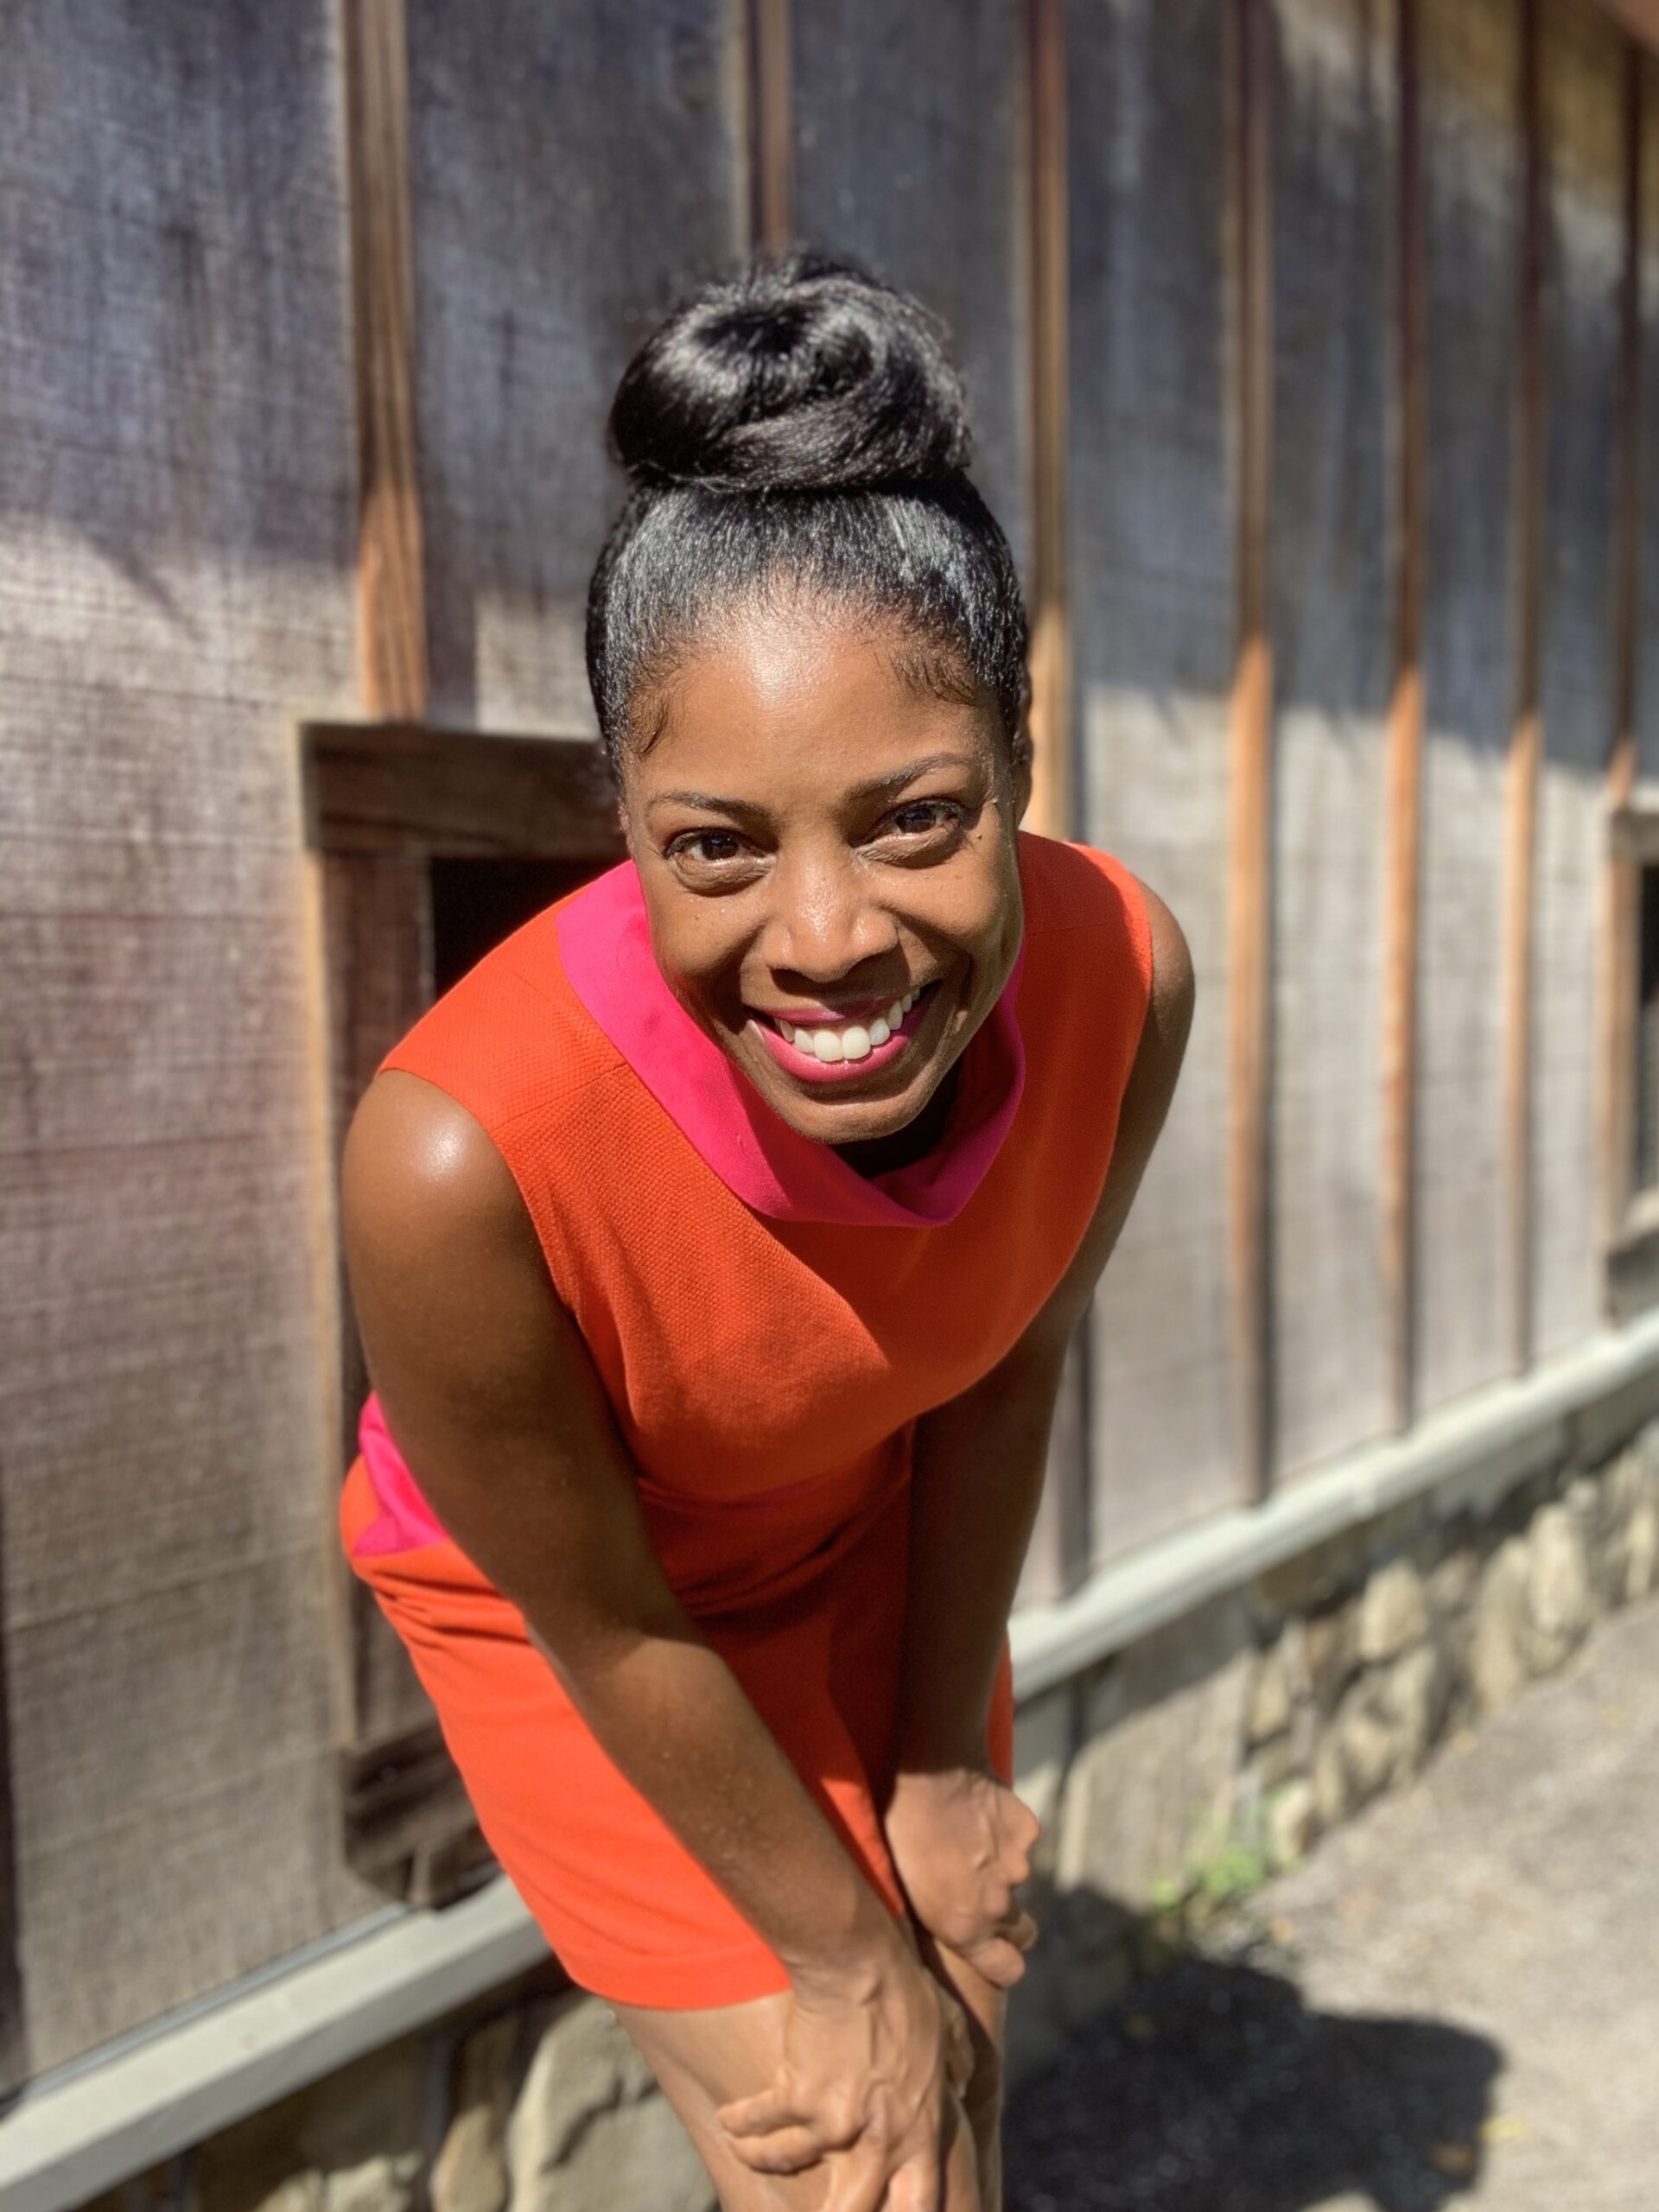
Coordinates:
708 846
923 816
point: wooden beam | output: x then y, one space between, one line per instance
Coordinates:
390 576
772 124
1526 739
1052 804
1250 838
394 788
1405 736
1622 888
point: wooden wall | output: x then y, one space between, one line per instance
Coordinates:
1199 443
1152 588
176 543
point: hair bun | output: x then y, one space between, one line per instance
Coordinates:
800 373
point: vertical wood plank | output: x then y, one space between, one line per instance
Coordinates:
1050 811
1250 906
1582 90
772 124
14 2062
1150 503
391 582
1405 736
1526 740
1469 98
1621 889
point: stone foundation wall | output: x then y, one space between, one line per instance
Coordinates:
1168 1778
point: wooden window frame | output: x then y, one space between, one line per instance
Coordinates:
382 801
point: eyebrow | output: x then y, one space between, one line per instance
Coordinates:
874 787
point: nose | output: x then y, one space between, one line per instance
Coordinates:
825 920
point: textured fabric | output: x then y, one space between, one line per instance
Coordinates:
766 1373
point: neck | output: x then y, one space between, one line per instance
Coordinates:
881 1155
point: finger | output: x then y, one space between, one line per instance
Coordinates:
998 1961
861 2186
1022 1932
761 2113
790 2150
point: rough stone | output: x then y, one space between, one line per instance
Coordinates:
1498 1663
1330 1640
584 2065
1271 1699
1393 1612
1453 1580
1370 1744
470 2171
1044 1730
1331 1795
1560 1606
1142 1794
633 2158
1642 1551
349 2143
1290 1823
1414 1696
1274 1762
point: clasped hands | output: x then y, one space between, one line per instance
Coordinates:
876 2061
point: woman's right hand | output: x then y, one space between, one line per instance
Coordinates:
874 2061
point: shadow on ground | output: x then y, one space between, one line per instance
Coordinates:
1215 2089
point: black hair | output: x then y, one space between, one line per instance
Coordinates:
798 427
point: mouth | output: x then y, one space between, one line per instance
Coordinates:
846 1050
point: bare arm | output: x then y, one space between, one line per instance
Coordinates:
488 1389
979 1468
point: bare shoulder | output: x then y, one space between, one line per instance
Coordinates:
426 1198
1169 1013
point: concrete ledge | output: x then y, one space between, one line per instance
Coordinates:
1466 1455
120 2110
179 2080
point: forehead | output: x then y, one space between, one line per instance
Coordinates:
776 698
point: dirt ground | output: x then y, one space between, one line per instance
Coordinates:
1455 2000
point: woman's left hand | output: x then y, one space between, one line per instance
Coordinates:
961 1841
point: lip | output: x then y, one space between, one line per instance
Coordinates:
840 1017
817 1072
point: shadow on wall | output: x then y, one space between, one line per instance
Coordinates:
1214 2089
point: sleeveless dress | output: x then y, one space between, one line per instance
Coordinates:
769 1326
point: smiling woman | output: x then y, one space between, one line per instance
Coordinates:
716 1241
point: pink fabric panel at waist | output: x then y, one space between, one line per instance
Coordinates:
406 1520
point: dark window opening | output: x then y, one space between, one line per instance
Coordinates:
476 903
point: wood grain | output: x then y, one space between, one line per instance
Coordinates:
1150 562
1473 185
1052 804
1405 737
391 583
772 124
1622 881
1526 740
402 789
1249 856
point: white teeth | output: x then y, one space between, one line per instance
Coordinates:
826 1045
787 1030
855 1043
880 1031
895 1014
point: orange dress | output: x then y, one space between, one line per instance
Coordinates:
768 1327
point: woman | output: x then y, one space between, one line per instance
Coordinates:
716 1244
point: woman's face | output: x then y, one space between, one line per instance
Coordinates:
829 862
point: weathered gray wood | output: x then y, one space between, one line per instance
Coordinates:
1472 183
176 519
1647 626
1332 566
1151 617
383 788
571 170
908 155
1583 112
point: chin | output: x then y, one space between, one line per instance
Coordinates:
844 1120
